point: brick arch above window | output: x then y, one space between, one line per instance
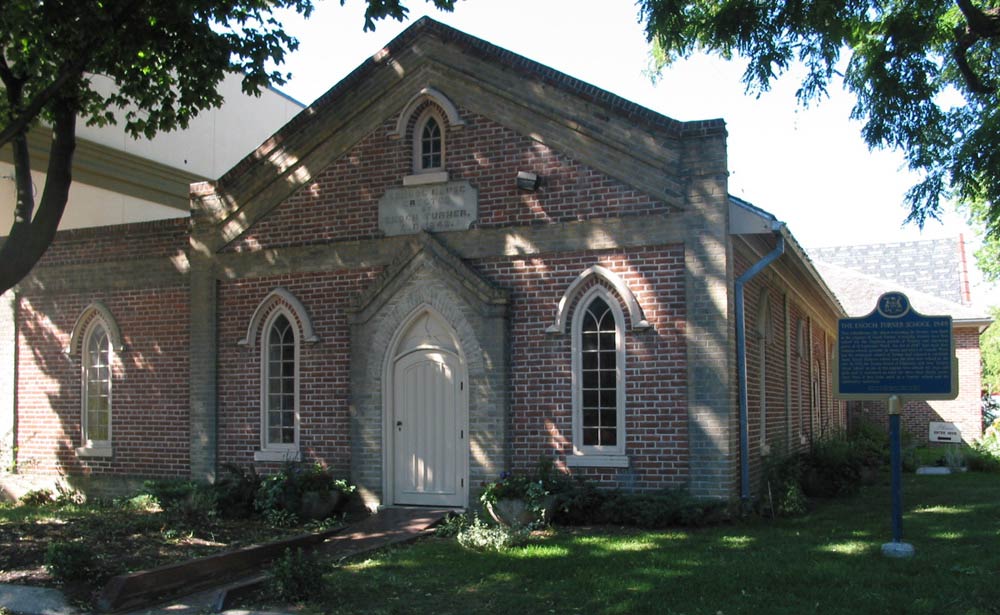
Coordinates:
416 103
580 284
276 299
94 311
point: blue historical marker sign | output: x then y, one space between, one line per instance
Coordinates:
895 351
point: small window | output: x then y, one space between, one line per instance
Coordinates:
598 361
428 143
96 366
280 387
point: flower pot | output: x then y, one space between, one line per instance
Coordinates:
320 504
514 511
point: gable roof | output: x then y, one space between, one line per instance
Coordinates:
604 131
932 266
931 273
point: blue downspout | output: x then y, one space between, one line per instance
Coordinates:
741 361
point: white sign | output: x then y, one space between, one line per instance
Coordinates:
453 206
944 432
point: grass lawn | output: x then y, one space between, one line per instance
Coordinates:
828 561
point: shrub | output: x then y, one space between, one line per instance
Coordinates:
168 491
984 456
283 490
69 561
294 576
582 503
480 536
236 491
833 467
451 525
783 486
37 497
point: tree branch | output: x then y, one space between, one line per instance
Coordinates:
983 24
964 39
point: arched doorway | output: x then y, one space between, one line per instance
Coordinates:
426 414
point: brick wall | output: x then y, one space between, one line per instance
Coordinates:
122 242
656 373
342 203
149 384
324 376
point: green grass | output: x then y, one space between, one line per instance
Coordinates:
826 562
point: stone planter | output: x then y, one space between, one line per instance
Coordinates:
514 511
320 504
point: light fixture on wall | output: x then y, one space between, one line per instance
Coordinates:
527 180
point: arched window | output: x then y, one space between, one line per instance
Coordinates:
280 387
428 142
598 380
96 393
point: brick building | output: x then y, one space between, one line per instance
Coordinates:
454 262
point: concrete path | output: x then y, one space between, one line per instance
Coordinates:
389 526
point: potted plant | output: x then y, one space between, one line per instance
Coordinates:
518 500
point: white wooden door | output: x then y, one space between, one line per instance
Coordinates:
429 445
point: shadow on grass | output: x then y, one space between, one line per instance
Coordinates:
826 562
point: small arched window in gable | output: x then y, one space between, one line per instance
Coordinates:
429 142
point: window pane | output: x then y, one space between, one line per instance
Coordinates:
608 379
590 360
590 380
609 398
608 437
590 398
609 417
590 417
589 342
590 437
609 360
607 341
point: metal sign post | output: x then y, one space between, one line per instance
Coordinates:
890 353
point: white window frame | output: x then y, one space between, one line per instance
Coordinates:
597 455
90 447
278 451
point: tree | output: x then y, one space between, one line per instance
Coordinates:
926 75
989 347
166 58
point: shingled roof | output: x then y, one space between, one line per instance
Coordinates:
933 266
932 273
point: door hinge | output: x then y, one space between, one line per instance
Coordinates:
461 434
463 482
461 386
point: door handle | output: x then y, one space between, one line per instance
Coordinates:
399 425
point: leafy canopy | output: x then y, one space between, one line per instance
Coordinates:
926 75
165 59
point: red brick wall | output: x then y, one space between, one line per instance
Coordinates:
122 242
342 202
324 376
656 372
149 384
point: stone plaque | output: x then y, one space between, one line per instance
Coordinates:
452 206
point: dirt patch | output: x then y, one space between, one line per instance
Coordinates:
121 541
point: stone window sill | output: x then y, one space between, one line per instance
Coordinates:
419 179
95 451
597 461
278 455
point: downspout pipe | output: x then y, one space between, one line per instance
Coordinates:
741 358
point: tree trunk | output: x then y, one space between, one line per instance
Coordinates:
29 238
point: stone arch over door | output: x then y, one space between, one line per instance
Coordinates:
427 286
